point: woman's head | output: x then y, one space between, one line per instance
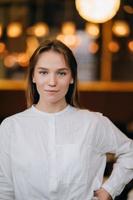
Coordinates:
61 49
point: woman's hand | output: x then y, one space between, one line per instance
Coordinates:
102 194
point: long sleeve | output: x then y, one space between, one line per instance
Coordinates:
114 141
6 187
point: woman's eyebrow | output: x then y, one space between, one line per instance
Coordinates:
59 69
63 69
42 68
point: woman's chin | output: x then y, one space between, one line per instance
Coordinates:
51 100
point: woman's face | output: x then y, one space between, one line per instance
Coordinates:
52 77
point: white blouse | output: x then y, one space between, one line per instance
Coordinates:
61 156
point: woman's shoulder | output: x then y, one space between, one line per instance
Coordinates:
86 113
8 120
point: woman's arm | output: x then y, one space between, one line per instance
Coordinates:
6 186
114 141
6 189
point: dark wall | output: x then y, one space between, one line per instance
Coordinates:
118 106
11 102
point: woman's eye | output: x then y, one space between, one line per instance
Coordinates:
62 73
43 72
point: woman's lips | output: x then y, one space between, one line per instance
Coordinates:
51 90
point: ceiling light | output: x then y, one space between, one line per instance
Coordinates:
98 11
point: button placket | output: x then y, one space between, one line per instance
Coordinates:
52 156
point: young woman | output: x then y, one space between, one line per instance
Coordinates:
54 150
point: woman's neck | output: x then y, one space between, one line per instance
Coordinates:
51 107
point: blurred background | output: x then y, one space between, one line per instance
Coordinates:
100 34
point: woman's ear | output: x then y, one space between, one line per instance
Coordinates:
33 79
72 81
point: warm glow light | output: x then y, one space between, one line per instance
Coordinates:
128 9
68 34
1 29
41 29
130 45
98 11
2 47
121 28
69 40
93 47
14 29
113 47
23 59
92 30
60 37
32 44
10 61
68 28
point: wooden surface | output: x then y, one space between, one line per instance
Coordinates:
83 86
106 86
106 55
12 85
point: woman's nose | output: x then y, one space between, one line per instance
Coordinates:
52 80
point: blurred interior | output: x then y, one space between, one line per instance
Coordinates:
104 52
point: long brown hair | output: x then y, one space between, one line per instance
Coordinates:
59 47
